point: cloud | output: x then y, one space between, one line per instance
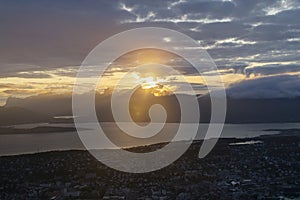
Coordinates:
59 34
55 34
271 69
280 6
267 87
41 39
22 71
30 75
13 86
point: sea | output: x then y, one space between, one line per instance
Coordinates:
15 144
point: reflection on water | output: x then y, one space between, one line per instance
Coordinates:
30 143
246 142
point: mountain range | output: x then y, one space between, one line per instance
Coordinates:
46 108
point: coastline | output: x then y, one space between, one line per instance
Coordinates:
282 133
249 171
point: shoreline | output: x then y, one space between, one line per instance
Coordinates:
254 171
282 133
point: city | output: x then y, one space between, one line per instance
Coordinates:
235 169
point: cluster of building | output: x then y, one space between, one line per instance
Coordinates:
259 170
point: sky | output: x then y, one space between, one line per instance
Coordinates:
255 44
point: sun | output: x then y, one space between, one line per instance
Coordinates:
153 84
156 87
149 82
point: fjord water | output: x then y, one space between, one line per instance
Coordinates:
13 144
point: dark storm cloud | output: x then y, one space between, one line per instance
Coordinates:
267 87
271 69
55 33
262 70
269 51
60 33
271 32
286 17
263 30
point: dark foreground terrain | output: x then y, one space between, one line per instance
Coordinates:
268 169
